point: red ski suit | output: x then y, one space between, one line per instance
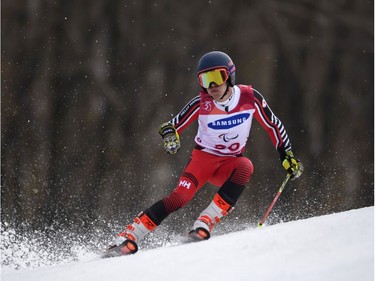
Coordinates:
222 135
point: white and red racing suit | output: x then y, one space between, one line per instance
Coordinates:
224 129
222 135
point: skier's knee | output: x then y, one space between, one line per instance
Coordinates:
241 175
232 189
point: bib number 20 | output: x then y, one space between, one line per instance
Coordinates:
233 147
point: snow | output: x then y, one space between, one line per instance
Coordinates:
333 247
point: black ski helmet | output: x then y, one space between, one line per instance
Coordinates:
217 59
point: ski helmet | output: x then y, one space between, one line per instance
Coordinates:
217 59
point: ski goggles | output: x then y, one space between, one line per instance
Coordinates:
217 76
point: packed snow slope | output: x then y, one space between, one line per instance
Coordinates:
333 247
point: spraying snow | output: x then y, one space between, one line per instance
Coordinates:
332 247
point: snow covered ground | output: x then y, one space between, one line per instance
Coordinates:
333 247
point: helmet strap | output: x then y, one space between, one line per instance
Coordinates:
226 91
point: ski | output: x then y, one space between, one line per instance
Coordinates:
129 247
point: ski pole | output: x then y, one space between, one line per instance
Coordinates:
260 224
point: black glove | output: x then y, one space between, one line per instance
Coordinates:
292 165
170 137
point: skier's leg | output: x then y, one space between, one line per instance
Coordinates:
150 218
226 197
200 167
191 180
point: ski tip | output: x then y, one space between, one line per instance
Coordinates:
128 247
199 234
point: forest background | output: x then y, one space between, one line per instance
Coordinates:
86 84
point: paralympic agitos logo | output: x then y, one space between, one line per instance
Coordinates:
230 122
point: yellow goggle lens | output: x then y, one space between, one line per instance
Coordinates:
217 76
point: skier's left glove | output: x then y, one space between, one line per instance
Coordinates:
292 165
170 137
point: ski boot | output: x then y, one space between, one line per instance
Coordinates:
126 242
208 218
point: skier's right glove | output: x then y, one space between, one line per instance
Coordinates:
170 137
292 165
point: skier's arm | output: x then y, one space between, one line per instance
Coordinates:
278 135
187 115
170 130
271 124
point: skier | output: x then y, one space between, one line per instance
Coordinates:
225 112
